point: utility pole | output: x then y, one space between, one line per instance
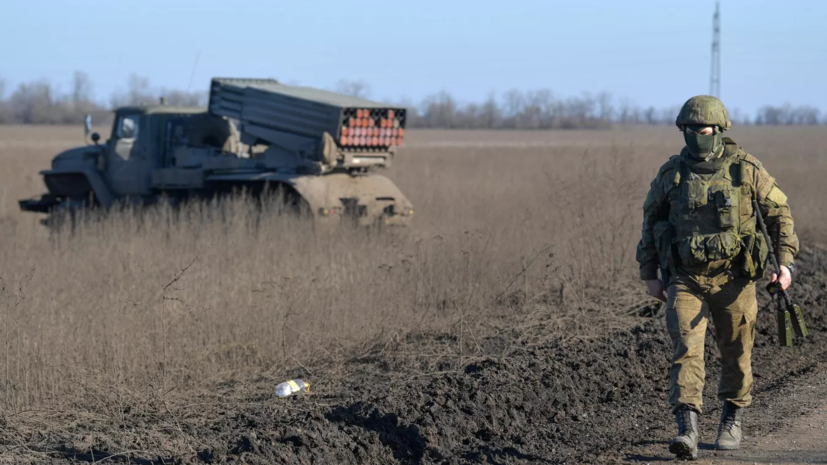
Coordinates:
715 71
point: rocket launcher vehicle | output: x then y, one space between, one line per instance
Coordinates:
317 148
291 117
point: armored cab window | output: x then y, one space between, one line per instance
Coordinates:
128 127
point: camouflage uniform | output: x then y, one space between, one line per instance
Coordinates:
699 230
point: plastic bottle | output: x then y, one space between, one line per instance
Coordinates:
291 387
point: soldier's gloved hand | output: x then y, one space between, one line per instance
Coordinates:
786 278
656 289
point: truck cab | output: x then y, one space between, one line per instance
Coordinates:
145 140
142 141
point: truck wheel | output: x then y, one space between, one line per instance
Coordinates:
62 218
282 199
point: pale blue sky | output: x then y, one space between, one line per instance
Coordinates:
653 52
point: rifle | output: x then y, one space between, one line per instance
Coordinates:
786 307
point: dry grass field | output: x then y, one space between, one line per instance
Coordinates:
519 239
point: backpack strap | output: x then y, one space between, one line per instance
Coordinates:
675 165
742 160
746 181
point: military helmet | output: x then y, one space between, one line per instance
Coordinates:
704 110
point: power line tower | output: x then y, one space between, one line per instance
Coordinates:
715 71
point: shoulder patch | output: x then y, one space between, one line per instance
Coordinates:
776 196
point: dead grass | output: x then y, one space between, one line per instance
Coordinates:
527 235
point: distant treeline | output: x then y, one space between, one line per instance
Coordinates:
38 102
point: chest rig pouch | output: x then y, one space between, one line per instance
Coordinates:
708 219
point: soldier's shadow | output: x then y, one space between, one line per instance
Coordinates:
665 457
649 458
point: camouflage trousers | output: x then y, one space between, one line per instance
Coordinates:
733 308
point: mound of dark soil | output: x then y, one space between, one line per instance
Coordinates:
559 403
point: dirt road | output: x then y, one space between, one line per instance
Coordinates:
789 426
787 422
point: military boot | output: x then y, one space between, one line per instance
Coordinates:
729 430
685 445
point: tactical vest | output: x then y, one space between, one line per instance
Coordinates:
711 227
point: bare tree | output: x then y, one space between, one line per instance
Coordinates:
605 110
412 112
626 112
358 88
580 112
649 116
6 115
514 103
805 115
468 117
32 103
185 99
787 115
490 112
552 111
138 90
668 115
770 116
81 88
440 110
533 114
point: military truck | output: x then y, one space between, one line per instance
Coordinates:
320 150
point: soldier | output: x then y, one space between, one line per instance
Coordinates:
699 230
